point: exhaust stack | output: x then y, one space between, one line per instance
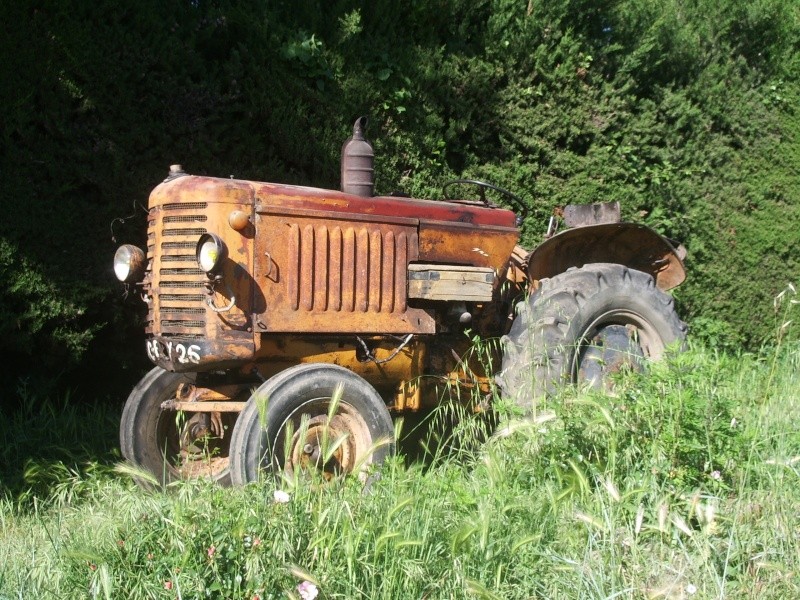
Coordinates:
358 162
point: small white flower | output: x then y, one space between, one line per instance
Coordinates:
307 590
281 497
734 423
716 475
691 589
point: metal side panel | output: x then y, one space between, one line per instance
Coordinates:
325 274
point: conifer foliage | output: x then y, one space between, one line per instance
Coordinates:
685 112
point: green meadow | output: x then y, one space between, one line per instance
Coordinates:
681 483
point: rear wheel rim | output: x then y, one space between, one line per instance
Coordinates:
614 342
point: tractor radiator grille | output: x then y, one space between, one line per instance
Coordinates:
175 281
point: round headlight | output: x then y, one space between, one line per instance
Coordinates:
129 263
211 251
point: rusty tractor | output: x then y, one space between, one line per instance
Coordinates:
281 318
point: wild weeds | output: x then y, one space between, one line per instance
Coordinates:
682 483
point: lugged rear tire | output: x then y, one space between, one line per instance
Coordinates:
583 325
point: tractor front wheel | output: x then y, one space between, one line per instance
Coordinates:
312 417
172 444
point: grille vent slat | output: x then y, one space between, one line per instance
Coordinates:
181 272
183 284
189 324
178 245
185 219
183 336
181 297
180 310
185 206
179 258
198 231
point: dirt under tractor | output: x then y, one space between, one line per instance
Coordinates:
288 325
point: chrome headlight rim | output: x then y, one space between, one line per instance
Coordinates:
210 253
129 263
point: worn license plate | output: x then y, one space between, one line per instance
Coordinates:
175 352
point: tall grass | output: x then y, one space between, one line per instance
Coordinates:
681 484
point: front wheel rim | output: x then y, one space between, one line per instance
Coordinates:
309 440
188 451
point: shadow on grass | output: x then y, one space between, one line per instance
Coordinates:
42 442
450 432
45 445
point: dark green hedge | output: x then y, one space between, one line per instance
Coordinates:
683 111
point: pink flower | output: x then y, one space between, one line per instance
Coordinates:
307 590
212 550
716 475
167 585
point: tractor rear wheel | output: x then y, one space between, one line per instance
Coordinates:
311 417
584 325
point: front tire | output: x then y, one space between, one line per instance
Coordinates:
289 420
584 325
156 439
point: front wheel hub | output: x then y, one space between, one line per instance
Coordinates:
321 438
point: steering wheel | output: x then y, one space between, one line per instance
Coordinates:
482 186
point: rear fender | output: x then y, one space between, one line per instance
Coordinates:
635 246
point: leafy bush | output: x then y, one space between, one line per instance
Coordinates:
683 113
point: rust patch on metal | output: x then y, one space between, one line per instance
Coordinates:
456 243
278 197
